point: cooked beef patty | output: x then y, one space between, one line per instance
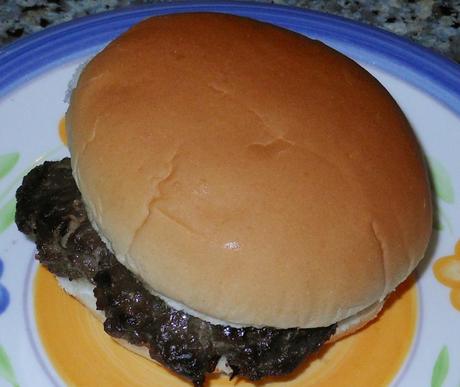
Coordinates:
50 210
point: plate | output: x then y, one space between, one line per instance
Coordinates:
416 341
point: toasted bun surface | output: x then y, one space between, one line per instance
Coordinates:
249 173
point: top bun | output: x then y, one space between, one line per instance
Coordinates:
249 173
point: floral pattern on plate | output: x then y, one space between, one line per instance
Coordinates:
447 271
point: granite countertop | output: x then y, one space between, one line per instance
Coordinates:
431 23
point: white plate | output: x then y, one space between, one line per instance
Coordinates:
35 73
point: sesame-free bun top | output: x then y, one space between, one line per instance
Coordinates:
249 173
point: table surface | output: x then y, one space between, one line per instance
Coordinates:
432 23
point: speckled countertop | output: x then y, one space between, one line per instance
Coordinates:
431 23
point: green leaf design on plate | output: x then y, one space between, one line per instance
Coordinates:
7 163
442 183
6 370
7 213
441 368
441 221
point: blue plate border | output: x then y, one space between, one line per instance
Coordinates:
421 67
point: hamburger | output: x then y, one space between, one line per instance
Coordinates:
237 195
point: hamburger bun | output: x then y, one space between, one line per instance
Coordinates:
248 174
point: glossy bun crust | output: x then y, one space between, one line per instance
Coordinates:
251 174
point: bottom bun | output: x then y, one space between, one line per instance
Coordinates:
356 322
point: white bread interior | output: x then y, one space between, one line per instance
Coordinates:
248 173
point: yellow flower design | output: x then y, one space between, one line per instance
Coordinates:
62 131
447 271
